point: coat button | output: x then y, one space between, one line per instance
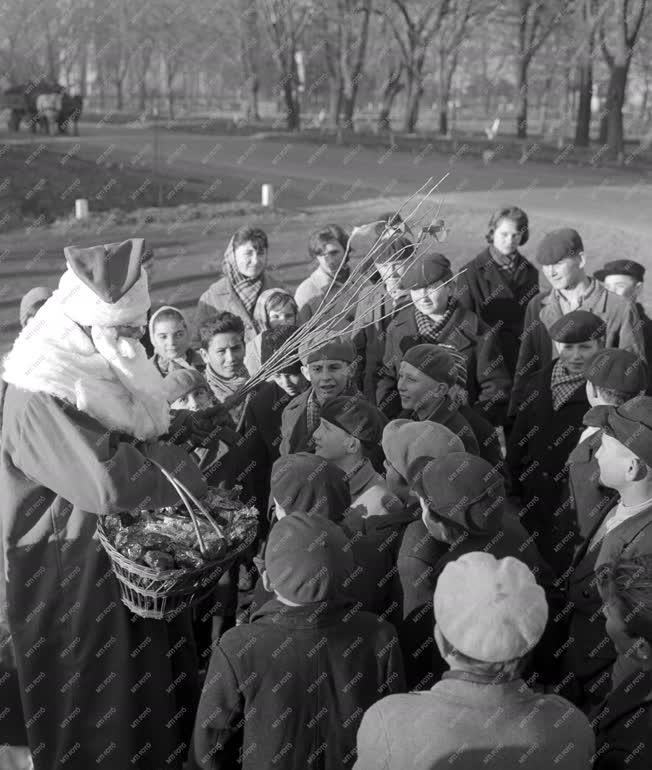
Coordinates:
545 474
586 593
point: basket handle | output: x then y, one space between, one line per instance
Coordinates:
187 498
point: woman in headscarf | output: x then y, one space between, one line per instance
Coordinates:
244 279
274 307
84 415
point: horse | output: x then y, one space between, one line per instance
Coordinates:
48 107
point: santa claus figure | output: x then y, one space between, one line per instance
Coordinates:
84 413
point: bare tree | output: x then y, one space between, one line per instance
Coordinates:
450 36
249 30
624 23
286 23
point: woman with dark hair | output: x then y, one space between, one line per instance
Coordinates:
499 282
623 723
244 279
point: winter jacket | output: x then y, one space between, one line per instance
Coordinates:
537 450
373 315
589 499
288 689
536 351
420 561
311 292
645 325
449 414
134 700
499 298
488 382
222 296
623 725
467 722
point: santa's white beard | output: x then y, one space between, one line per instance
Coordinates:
127 358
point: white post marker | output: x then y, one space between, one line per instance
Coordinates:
267 195
81 208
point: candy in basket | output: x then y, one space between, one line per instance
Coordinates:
168 559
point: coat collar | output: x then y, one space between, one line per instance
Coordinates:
627 697
406 326
362 477
314 615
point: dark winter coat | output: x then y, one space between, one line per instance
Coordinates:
645 325
623 725
537 450
536 351
589 499
97 683
499 299
420 561
488 382
369 341
295 436
290 688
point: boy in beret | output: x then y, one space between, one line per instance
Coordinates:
625 277
561 257
376 309
463 508
290 687
436 318
613 377
547 428
489 614
427 375
349 433
624 459
499 282
330 370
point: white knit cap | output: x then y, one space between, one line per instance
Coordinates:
490 609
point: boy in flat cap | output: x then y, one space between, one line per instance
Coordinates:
625 462
436 318
547 428
349 433
489 614
499 282
463 508
290 687
613 377
562 260
625 277
427 374
377 308
330 369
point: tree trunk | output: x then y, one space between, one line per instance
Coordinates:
142 94
615 134
119 95
412 108
348 106
292 109
443 119
521 111
334 101
604 118
393 87
583 125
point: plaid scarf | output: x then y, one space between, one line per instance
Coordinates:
508 264
563 384
247 289
223 388
430 330
312 412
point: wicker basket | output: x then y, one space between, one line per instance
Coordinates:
163 594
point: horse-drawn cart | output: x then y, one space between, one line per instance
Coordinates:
41 105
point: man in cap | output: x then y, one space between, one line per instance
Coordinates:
330 369
562 260
427 374
613 377
463 508
489 614
624 459
85 415
436 318
546 429
349 433
290 687
377 306
625 277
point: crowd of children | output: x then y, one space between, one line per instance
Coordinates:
454 556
